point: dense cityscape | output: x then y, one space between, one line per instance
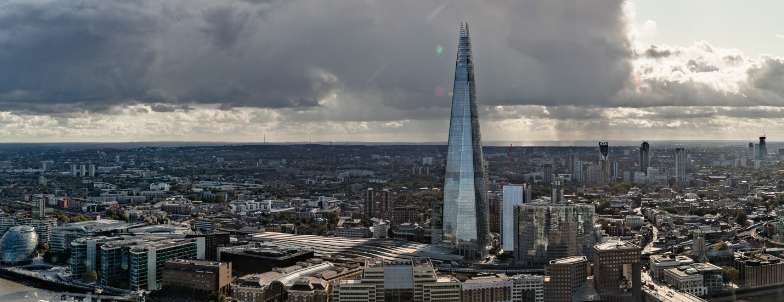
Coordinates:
649 221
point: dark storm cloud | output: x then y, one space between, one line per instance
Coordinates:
768 76
346 60
92 55
68 56
225 25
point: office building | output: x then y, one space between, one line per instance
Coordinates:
213 241
39 208
352 231
306 281
85 258
43 228
405 280
698 279
616 270
404 214
136 263
494 215
758 269
547 173
91 170
487 289
681 162
645 157
465 212
62 235
378 203
513 195
546 231
659 263
196 277
557 194
762 149
259 258
564 278
527 288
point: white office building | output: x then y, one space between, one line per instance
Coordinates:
513 195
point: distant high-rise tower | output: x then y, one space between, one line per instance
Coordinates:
557 195
762 151
751 150
680 166
465 223
645 157
604 163
547 173
514 195
378 203
546 231
39 208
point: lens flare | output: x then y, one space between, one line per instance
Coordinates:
440 91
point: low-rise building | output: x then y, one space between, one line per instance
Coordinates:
528 288
196 278
685 279
260 258
487 289
352 232
757 269
405 280
564 278
659 263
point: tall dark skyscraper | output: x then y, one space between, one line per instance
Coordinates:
465 223
604 162
681 161
762 150
645 157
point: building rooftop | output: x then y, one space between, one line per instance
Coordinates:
268 251
569 260
752 258
196 262
615 245
96 226
670 258
339 247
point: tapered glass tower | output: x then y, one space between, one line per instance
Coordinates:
465 223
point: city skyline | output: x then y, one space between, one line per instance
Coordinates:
295 150
223 71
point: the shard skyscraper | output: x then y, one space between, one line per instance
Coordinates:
465 209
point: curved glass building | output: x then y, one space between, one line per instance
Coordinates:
465 212
18 245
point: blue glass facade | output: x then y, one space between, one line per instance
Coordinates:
18 244
465 212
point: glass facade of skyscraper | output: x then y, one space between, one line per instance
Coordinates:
465 212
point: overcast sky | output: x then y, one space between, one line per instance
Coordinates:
381 71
